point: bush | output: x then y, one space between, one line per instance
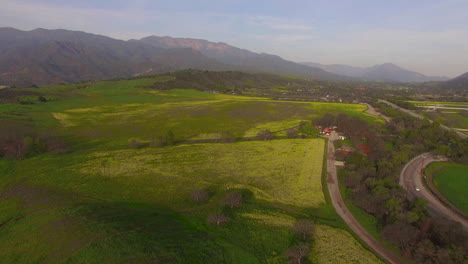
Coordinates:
297 253
265 134
308 130
292 133
304 229
134 143
218 219
233 200
199 196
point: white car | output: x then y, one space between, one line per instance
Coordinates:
417 189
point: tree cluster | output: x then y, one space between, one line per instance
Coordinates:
373 180
20 142
304 229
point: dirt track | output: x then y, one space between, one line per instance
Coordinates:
343 212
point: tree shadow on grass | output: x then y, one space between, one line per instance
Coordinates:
159 235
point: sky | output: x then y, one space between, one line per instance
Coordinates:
427 36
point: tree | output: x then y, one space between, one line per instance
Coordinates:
134 143
227 137
56 145
198 196
218 219
402 234
265 134
291 133
170 138
304 228
308 130
233 199
297 253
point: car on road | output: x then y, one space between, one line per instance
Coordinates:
417 189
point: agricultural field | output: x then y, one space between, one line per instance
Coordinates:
451 114
451 180
117 197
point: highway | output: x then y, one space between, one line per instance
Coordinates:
410 179
412 113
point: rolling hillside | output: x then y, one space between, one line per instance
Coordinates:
120 186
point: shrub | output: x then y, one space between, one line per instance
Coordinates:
304 229
233 200
265 134
297 253
292 133
134 143
218 219
199 196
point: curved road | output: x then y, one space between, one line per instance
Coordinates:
371 110
343 212
410 178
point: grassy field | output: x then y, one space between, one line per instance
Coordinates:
106 202
451 180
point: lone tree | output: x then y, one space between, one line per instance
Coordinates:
218 219
296 254
233 199
265 134
292 132
200 195
304 228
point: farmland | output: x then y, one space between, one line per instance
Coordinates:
111 200
451 180
452 114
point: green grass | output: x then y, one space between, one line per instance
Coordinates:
107 203
451 180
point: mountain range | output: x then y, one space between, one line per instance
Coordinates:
43 56
387 72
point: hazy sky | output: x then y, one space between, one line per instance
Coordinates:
428 36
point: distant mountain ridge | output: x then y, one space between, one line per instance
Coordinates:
242 58
457 83
43 56
388 72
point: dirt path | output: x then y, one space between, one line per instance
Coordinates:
343 212
410 178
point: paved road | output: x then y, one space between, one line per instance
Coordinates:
371 110
410 178
343 212
412 113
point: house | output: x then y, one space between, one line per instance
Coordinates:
340 163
